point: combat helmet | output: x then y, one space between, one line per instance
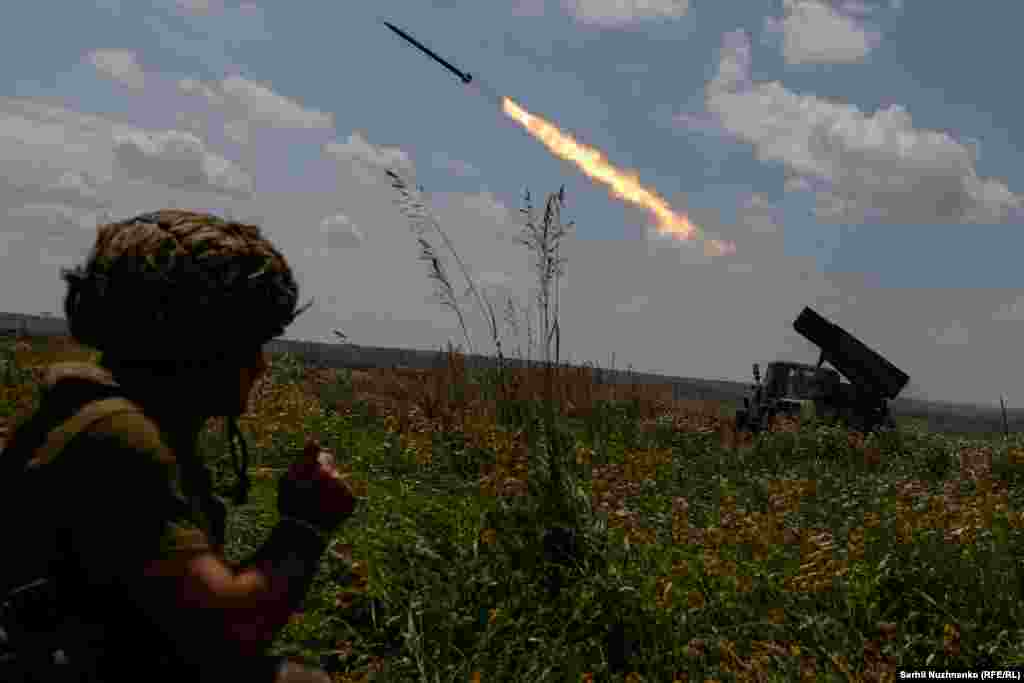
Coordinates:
180 291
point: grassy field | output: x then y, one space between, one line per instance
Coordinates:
810 553
532 525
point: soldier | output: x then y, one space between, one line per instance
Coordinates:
105 495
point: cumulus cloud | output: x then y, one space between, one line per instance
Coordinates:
120 66
621 12
823 31
862 167
51 183
245 103
237 131
189 122
191 86
368 160
261 104
178 159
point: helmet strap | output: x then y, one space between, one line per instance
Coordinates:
241 492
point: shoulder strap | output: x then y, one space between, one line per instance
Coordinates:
61 436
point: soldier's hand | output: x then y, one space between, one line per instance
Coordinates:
312 490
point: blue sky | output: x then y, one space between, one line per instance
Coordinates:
864 158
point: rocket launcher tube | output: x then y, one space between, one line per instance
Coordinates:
864 367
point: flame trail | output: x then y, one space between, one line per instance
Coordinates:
621 184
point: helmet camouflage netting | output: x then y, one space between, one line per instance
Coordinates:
173 287
177 285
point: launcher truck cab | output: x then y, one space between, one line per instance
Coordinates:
787 389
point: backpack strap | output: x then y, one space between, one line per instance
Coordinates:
59 437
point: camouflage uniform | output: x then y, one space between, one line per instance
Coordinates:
105 477
126 489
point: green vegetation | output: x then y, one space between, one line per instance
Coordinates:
808 549
533 525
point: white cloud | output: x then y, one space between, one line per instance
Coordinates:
363 157
244 102
237 131
818 31
620 12
260 104
119 65
189 122
864 167
178 159
49 181
191 86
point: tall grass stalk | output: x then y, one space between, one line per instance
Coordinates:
445 291
542 236
414 207
544 239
